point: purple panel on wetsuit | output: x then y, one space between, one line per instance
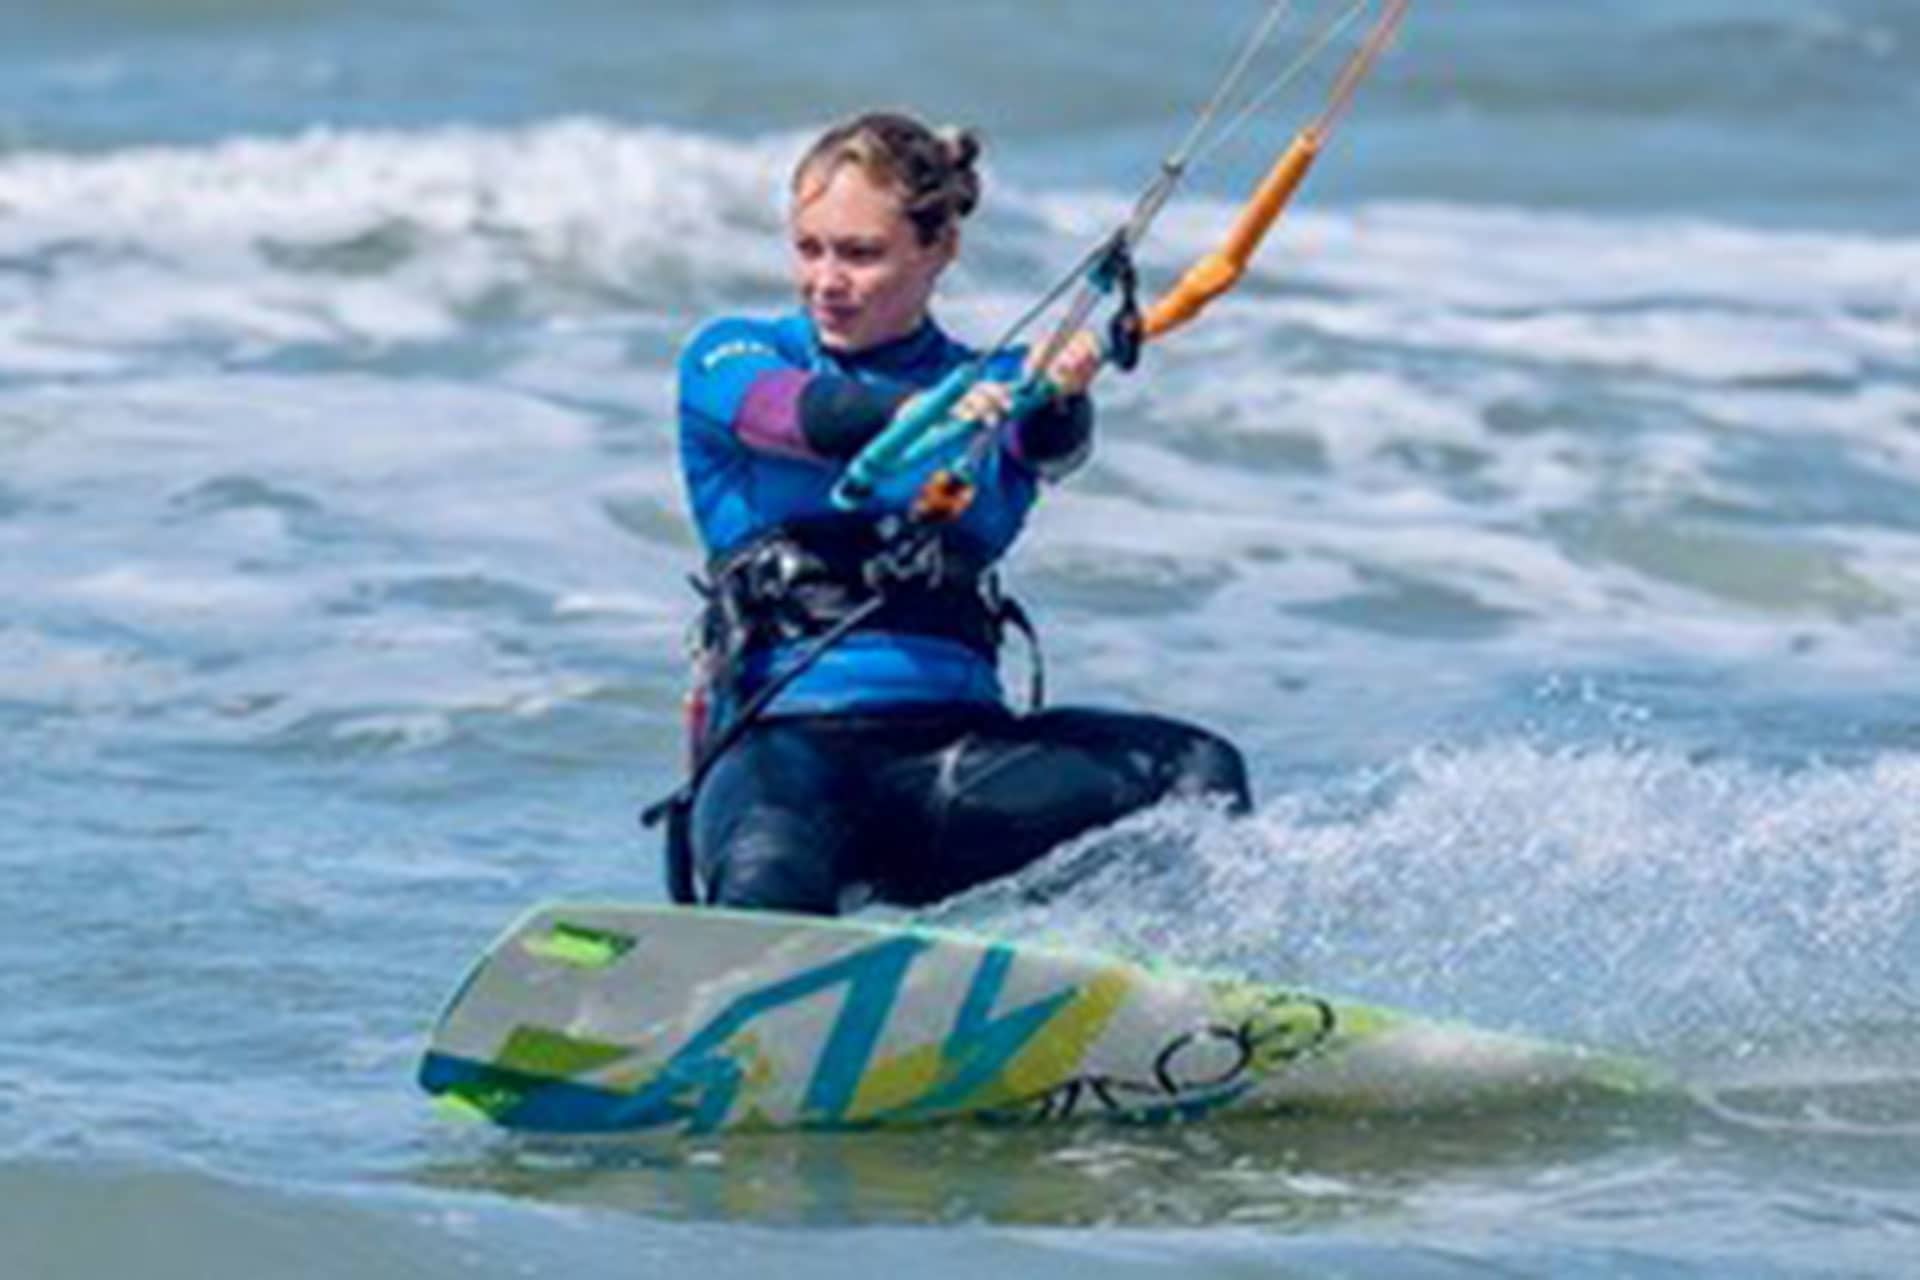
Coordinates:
769 418
1014 439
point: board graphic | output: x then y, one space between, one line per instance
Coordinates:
605 1018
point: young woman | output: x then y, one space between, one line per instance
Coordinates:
890 765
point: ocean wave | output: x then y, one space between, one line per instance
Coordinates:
379 238
334 237
1677 435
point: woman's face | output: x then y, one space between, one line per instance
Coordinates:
862 272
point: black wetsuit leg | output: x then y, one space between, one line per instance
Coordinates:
1012 788
770 825
922 806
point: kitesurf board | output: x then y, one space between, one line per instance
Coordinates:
597 1019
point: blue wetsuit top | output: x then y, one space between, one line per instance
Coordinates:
768 418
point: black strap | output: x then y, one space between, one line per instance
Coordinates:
1015 616
682 886
1126 334
749 713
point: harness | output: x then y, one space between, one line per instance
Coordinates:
811 584
801 579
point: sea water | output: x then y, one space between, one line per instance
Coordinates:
1542 516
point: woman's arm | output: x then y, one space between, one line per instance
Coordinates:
733 379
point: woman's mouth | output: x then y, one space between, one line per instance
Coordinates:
836 317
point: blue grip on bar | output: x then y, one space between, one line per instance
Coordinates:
888 451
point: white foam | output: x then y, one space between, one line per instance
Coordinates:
393 236
381 237
365 547
82 676
1641 893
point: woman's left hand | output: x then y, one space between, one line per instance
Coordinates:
1074 367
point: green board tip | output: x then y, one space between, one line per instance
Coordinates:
580 946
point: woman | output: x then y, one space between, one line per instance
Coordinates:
890 764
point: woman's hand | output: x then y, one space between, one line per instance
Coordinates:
1071 372
1074 367
986 402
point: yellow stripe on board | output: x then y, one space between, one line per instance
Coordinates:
1052 1056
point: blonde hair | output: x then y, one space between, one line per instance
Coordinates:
932 169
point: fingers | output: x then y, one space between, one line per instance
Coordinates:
988 402
1071 372
1077 363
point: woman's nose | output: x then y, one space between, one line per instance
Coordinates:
833 278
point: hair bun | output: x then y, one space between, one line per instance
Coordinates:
961 145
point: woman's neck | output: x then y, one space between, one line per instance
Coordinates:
888 351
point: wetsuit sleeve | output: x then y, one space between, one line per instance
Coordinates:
838 416
1056 438
734 378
